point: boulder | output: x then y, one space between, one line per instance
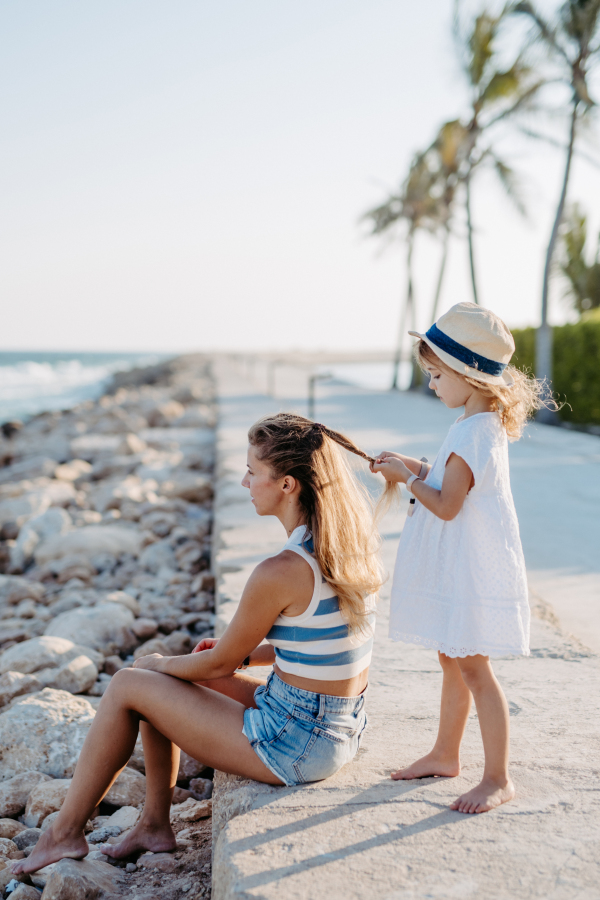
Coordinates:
124 818
10 827
44 732
77 676
88 446
44 652
131 443
128 790
44 799
15 791
162 862
189 767
82 879
15 684
153 646
27 838
144 629
178 642
72 470
157 556
188 486
162 415
8 849
54 521
191 810
90 541
105 627
25 892
125 599
13 589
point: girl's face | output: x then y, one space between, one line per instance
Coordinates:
450 388
270 496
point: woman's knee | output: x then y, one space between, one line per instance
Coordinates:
123 682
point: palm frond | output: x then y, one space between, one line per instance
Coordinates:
510 183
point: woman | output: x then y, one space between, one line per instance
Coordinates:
314 604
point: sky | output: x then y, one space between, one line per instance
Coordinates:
191 175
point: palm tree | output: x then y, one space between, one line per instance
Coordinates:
572 42
415 206
497 93
583 280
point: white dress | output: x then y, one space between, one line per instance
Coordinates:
460 586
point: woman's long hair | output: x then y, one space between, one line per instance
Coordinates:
335 507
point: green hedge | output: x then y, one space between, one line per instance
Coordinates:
576 357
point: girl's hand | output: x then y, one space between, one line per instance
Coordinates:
205 644
392 468
152 662
385 454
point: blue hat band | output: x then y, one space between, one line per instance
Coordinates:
466 356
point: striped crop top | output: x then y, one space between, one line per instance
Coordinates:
318 643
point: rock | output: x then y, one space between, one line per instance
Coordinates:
153 646
13 589
167 624
44 652
188 486
72 470
202 788
44 732
125 818
124 599
144 628
44 799
10 827
8 848
189 767
54 521
111 495
101 835
89 541
160 523
15 791
15 684
74 565
178 642
49 820
131 443
112 664
157 556
25 892
105 627
164 862
27 838
83 879
88 446
162 415
180 795
77 676
191 811
128 790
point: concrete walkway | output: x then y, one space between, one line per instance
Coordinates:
360 835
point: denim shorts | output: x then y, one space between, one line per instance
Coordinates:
302 736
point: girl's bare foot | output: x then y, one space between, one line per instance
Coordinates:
50 848
427 766
145 836
487 795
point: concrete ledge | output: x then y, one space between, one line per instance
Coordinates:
359 835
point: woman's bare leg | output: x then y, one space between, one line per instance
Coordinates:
492 710
444 759
240 686
153 830
204 723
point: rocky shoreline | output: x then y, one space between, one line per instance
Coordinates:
105 556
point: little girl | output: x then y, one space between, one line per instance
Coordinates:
459 583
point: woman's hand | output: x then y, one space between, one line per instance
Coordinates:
391 467
152 662
205 644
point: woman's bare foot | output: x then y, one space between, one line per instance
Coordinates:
428 766
145 836
487 795
50 848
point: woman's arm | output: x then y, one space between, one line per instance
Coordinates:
266 595
445 503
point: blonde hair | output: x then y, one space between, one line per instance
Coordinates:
514 403
336 508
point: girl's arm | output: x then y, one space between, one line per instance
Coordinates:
415 465
445 503
268 592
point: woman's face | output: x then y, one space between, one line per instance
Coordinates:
269 495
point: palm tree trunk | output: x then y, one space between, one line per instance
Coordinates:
438 293
405 311
543 336
470 235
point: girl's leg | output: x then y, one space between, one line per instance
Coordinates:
492 709
444 759
203 722
153 830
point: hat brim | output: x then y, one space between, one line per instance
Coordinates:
503 380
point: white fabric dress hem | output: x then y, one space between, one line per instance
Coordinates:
452 652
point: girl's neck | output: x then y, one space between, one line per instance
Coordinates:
477 403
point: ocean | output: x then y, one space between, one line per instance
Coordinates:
31 382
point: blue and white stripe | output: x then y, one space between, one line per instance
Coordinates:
318 644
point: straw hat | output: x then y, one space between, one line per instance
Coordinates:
472 341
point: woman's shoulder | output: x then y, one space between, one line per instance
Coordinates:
283 569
